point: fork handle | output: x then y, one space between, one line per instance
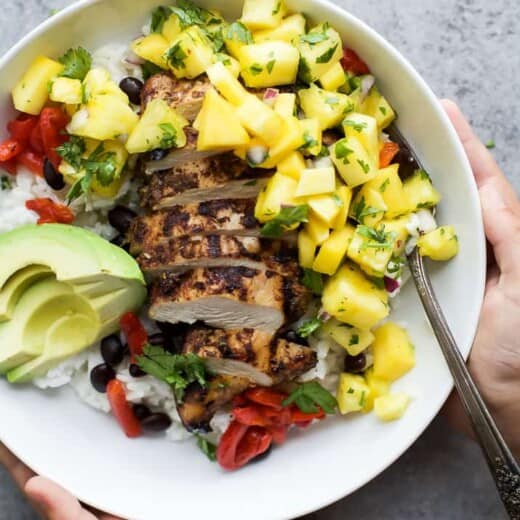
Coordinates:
501 462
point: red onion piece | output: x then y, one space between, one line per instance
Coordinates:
391 285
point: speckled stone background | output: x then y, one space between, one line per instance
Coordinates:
468 50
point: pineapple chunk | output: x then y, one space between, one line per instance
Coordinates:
353 162
372 249
352 393
236 36
291 139
263 14
289 29
314 181
152 48
365 129
260 120
228 85
190 54
351 298
292 165
66 90
441 244
391 407
368 207
285 105
312 136
345 196
333 251
98 82
420 192
334 78
353 340
378 387
279 190
317 230
160 126
121 156
230 63
306 249
329 108
394 354
399 227
172 28
377 106
105 117
320 50
32 91
325 207
218 125
269 64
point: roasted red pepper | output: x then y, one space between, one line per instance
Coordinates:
9 149
9 166
135 334
32 161
52 124
387 154
353 63
122 410
50 212
266 396
22 127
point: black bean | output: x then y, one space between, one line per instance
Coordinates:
100 376
53 178
156 340
120 218
174 336
141 412
263 455
291 336
135 371
132 88
156 422
158 154
355 364
112 350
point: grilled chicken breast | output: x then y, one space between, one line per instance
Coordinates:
185 253
229 298
212 178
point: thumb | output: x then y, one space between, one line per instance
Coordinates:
54 502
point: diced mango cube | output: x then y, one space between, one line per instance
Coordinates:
378 387
306 249
394 354
365 129
352 393
289 141
152 48
441 244
391 407
279 190
317 230
230 63
285 104
312 136
420 192
377 106
236 35
66 90
354 163
332 252
314 181
368 207
325 207
98 82
263 14
289 29
334 78
344 194
398 226
171 28
224 81
351 298
352 339
292 165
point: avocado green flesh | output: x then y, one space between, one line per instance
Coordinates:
17 284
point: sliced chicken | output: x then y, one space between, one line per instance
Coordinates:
184 95
249 353
229 298
185 253
203 180
226 216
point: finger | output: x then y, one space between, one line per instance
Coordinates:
54 501
18 471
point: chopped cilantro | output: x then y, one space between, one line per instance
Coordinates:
362 398
424 175
169 137
315 37
308 141
354 340
313 281
256 69
176 56
358 127
208 448
308 327
72 151
331 100
385 185
376 238
490 144
5 183
277 8
189 14
159 16
337 199
149 69
364 165
360 210
342 151
382 110
311 397
327 56
76 63
270 66
238 31
284 220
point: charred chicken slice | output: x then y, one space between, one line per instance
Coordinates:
229 298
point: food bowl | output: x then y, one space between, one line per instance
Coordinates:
151 479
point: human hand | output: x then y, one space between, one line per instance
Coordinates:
49 499
494 362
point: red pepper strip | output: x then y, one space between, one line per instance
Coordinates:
353 63
36 140
122 410
9 149
50 212
135 334
240 400
32 161
281 417
250 416
387 154
297 416
9 166
52 123
22 127
267 397
279 434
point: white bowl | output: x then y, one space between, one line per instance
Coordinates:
150 479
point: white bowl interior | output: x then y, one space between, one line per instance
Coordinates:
151 479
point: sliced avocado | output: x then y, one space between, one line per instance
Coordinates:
67 336
103 285
109 306
17 284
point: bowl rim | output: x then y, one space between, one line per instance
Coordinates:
473 198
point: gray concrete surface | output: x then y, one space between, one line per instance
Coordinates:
467 50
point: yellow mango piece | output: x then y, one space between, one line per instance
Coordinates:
391 407
289 29
290 140
314 181
32 91
365 129
279 190
171 28
263 14
306 249
325 207
285 104
152 48
352 393
332 252
398 226
394 354
353 340
218 125
228 85
66 90
368 207
292 165
377 106
236 35
334 78
419 191
378 387
351 298
230 63
441 244
98 82
312 136
345 195
317 230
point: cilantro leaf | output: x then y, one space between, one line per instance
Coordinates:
310 397
5 183
76 63
308 327
314 37
327 55
102 165
72 151
176 56
342 151
169 137
238 31
313 281
149 69
189 14
284 220
179 371
209 449
159 16
270 65
361 210
358 127
308 141
376 238
256 69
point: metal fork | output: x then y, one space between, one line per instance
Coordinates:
502 464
